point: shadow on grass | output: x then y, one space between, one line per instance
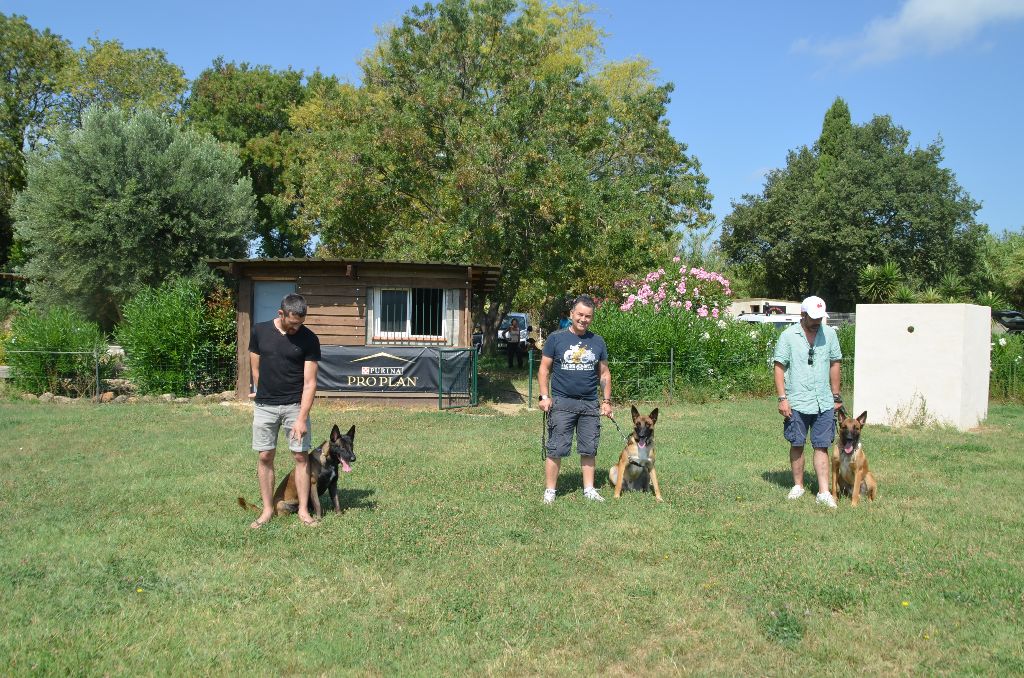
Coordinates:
785 478
570 481
498 387
355 498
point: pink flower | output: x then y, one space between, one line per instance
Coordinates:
689 304
675 260
714 313
702 311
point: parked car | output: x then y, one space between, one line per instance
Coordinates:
1013 321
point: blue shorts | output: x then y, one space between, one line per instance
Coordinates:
821 425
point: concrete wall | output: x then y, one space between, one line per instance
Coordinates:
918 363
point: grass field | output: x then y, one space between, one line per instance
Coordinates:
123 551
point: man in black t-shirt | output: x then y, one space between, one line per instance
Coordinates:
284 355
576 360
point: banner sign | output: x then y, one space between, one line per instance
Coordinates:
386 369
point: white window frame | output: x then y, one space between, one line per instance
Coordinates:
406 334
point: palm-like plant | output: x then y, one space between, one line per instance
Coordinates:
992 300
877 284
904 294
930 295
952 287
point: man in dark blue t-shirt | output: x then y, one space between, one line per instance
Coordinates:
284 357
576 360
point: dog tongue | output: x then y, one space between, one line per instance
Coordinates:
345 467
848 448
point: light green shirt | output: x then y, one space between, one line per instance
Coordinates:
807 386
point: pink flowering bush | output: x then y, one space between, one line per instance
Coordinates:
693 289
679 311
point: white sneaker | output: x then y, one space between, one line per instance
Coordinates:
549 496
796 492
826 499
591 494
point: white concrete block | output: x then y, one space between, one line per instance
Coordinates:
922 363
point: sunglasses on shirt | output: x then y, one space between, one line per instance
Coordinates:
810 355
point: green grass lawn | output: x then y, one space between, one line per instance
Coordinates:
123 551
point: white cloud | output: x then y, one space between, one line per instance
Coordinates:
921 26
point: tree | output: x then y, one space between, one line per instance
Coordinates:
106 74
1003 270
861 196
31 63
126 201
249 106
483 133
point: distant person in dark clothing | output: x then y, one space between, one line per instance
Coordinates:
512 344
284 356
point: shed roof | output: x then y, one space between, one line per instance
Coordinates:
483 278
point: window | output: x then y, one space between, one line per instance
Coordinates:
416 313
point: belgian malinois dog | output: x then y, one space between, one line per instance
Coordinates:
323 465
850 474
635 470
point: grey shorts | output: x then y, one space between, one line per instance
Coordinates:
568 415
821 426
267 421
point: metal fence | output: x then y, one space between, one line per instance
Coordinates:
89 374
670 377
456 378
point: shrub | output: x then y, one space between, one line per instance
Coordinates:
1007 377
679 313
55 350
178 339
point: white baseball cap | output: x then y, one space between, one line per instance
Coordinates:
814 307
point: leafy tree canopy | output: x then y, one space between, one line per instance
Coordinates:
104 73
487 132
31 63
860 196
250 106
123 202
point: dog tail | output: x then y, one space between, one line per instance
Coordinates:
246 505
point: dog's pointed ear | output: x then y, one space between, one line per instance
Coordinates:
335 434
352 433
654 415
635 412
863 418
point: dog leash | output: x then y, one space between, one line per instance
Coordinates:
625 437
543 437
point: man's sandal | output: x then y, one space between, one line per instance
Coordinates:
257 524
312 522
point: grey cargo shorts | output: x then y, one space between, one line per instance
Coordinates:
568 415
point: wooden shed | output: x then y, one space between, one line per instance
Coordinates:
375 319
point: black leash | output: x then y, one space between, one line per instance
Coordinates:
544 437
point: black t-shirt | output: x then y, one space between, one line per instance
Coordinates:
574 363
282 362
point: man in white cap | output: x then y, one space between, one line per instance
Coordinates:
807 371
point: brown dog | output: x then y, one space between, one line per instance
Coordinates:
850 473
635 470
323 465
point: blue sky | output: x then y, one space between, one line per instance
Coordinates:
753 79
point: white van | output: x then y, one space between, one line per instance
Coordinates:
780 320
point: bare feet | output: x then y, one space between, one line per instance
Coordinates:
260 522
309 521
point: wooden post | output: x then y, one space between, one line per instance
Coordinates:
243 316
